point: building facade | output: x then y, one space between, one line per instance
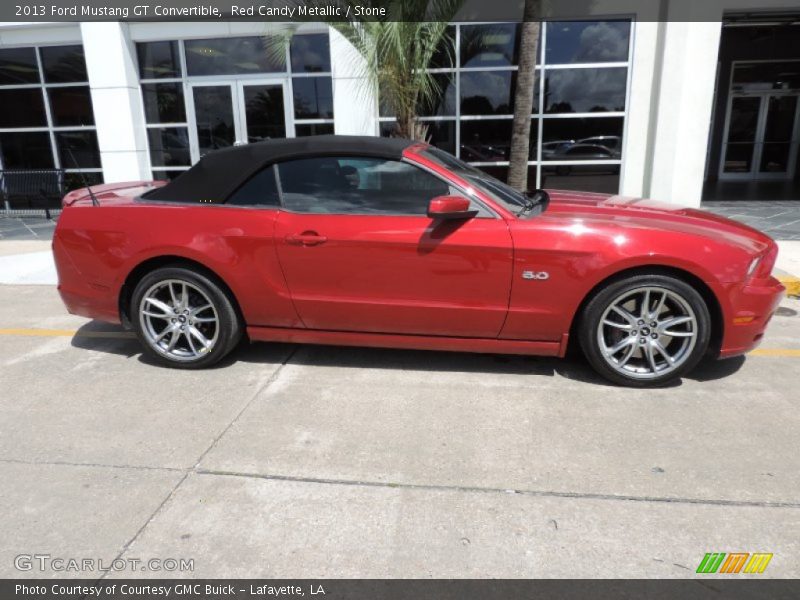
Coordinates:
676 111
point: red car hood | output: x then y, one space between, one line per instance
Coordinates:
641 213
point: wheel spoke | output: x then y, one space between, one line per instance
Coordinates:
176 335
199 309
184 297
628 341
200 337
624 314
167 329
626 326
175 301
663 352
644 311
660 305
651 357
155 315
165 308
627 357
191 343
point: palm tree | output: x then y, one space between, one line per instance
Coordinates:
523 98
396 52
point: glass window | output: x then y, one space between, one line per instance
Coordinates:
22 108
773 75
73 181
310 53
26 150
313 129
230 56
264 112
486 141
158 60
357 186
442 135
259 190
587 41
169 147
165 175
582 139
445 54
63 64
71 105
18 65
488 92
587 178
444 104
313 97
489 45
585 90
78 149
163 102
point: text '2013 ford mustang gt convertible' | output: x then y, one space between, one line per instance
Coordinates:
386 242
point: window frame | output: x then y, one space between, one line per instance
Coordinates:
50 128
287 77
485 211
542 68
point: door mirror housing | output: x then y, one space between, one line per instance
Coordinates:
450 207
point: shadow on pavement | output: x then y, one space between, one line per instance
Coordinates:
102 337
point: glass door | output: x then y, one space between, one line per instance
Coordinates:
761 137
230 113
778 147
740 145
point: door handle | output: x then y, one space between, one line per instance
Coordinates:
307 238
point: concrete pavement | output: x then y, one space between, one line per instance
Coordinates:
311 461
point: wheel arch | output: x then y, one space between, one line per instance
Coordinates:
168 260
708 295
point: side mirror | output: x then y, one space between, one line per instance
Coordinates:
450 207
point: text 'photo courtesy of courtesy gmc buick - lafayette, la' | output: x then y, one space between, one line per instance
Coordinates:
393 243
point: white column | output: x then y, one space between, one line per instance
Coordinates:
684 105
355 105
118 111
642 106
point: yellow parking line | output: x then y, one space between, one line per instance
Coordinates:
775 352
66 333
791 283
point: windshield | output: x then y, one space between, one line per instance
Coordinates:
498 191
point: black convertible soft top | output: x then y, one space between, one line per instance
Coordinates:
220 173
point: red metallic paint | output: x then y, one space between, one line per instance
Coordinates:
414 282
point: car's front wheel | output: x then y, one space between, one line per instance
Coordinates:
645 330
184 318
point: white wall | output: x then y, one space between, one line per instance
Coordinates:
355 105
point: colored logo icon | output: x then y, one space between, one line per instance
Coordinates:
734 562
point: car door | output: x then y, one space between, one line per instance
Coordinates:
359 253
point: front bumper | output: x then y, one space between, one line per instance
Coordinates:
752 306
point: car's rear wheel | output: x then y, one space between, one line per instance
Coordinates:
184 318
645 330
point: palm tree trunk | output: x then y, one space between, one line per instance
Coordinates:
523 99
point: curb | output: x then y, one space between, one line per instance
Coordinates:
791 283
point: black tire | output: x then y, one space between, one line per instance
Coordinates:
590 336
226 330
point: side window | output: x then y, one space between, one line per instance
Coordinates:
259 190
351 185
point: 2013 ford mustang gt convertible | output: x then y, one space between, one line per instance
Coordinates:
387 242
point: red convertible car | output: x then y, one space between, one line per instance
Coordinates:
387 242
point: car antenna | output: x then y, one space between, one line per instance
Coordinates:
83 177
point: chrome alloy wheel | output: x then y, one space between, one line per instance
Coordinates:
178 320
647 332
